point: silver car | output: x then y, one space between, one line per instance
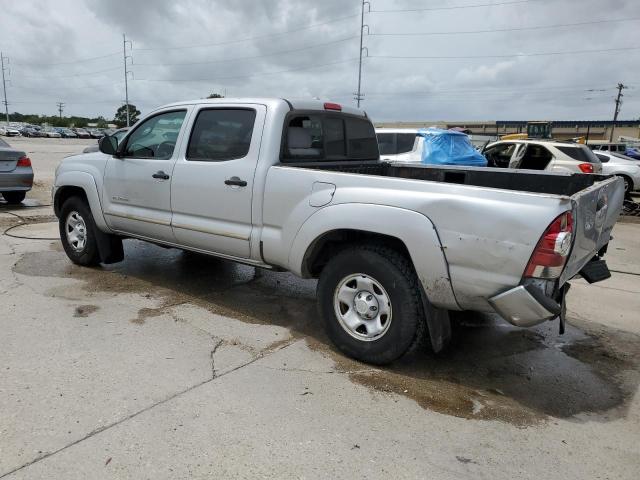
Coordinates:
16 174
617 164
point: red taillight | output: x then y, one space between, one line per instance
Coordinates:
24 162
552 250
586 167
333 106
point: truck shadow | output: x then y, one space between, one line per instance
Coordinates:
491 371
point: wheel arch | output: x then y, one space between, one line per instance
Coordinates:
405 230
79 184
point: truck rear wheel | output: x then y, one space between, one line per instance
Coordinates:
77 232
370 303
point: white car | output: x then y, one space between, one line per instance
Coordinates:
9 131
546 155
399 144
607 146
617 164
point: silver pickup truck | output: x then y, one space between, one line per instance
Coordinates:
298 186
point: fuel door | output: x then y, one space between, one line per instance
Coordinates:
321 194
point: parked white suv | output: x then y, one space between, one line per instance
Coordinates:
546 155
399 144
616 164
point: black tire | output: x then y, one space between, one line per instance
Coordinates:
14 198
88 255
628 184
395 273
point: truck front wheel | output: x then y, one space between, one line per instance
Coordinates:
370 303
77 232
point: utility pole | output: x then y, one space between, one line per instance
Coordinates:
4 86
126 74
358 95
60 108
620 87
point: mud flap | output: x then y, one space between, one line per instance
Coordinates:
438 324
563 307
109 247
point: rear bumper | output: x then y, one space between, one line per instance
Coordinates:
525 306
16 181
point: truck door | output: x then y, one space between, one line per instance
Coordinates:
213 179
137 184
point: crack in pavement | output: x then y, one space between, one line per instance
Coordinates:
212 355
97 431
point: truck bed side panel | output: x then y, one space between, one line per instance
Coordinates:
487 235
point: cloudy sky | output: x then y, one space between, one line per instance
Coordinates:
427 59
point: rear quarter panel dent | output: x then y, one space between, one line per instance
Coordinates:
415 230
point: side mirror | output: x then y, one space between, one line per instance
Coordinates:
108 145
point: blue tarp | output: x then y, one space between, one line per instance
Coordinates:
448 147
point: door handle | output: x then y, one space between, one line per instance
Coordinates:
161 175
235 181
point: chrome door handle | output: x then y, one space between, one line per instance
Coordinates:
235 181
161 175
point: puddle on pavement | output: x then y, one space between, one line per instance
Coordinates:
492 371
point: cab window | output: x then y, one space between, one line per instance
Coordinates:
221 134
156 137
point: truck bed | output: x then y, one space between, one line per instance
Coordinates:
519 180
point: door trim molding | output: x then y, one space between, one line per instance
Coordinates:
211 231
139 218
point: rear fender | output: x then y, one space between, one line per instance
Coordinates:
415 231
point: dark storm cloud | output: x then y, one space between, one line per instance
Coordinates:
37 34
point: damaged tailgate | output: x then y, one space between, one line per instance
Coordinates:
595 211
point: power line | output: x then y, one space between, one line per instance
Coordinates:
500 30
248 39
317 65
497 90
70 62
84 74
454 7
511 55
225 60
60 108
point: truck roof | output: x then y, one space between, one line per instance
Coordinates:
296 103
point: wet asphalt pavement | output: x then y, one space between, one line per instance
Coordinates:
175 365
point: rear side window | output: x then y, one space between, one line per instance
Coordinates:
326 137
221 134
361 139
406 142
582 154
396 143
387 143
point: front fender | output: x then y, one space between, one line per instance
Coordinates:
415 230
87 182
